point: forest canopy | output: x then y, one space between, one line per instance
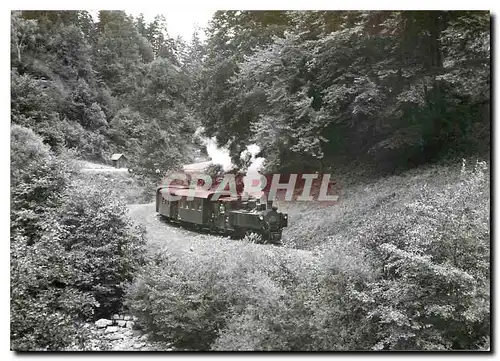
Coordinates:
105 86
393 89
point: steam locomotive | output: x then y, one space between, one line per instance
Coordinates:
225 214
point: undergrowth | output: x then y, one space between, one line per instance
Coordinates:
400 264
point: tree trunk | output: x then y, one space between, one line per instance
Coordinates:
18 46
436 67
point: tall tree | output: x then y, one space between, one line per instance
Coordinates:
379 86
232 35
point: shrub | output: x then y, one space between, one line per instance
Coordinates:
189 298
250 297
433 260
75 270
88 144
282 323
45 304
106 247
72 249
214 171
38 179
317 310
42 276
34 104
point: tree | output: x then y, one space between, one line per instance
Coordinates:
232 36
23 34
163 46
320 87
117 52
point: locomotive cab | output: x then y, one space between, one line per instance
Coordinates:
261 217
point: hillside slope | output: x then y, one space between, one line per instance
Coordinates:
312 225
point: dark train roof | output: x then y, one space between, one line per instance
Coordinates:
198 193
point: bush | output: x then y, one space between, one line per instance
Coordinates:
188 299
433 258
42 276
215 171
75 271
88 144
34 104
72 249
107 248
38 179
45 302
318 310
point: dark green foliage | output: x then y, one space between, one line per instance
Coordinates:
72 76
189 299
176 306
106 248
317 89
45 302
38 179
434 260
214 171
117 52
392 87
232 36
73 250
410 274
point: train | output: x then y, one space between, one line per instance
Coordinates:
231 215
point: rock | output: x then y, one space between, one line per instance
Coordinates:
127 318
136 333
130 324
103 323
144 338
114 336
122 323
169 349
137 345
111 329
134 318
116 317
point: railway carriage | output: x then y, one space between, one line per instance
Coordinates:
225 214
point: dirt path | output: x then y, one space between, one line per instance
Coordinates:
162 234
89 167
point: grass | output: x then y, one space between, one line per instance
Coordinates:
312 225
123 185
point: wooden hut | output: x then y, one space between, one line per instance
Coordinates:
119 160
